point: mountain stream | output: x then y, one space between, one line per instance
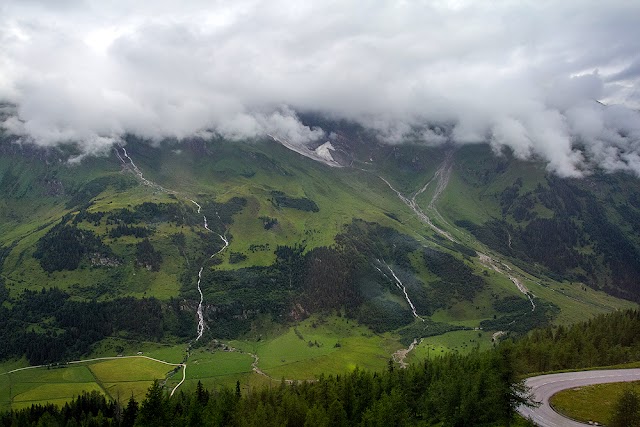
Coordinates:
129 164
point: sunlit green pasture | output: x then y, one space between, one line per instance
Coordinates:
315 346
461 342
116 378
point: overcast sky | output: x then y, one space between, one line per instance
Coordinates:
518 74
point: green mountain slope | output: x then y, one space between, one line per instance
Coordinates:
410 240
581 230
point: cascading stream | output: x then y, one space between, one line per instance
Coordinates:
200 329
129 163
400 286
442 176
418 211
201 323
206 226
134 168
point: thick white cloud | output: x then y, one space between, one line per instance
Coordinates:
522 75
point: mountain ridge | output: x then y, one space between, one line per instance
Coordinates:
278 248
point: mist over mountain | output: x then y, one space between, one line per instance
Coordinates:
526 76
352 213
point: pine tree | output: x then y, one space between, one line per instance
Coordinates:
153 411
627 410
202 395
317 417
130 413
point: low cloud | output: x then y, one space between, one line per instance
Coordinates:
524 76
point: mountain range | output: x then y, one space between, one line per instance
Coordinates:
206 238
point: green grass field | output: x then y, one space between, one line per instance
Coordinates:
56 393
136 369
591 403
331 345
216 369
461 342
116 378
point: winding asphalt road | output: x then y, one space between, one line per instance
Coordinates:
545 386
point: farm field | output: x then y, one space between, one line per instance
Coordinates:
317 345
117 378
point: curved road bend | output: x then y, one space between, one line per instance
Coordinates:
545 386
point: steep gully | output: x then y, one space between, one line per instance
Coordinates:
441 177
136 171
303 150
400 355
400 286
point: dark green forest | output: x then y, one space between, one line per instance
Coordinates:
583 240
68 328
352 276
65 246
605 340
280 199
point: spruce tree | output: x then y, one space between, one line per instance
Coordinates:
627 410
153 411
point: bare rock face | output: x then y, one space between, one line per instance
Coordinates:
53 187
14 145
197 145
101 260
298 312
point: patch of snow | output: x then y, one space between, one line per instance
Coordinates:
312 154
324 151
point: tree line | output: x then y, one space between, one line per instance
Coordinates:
478 389
68 328
607 339
473 390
